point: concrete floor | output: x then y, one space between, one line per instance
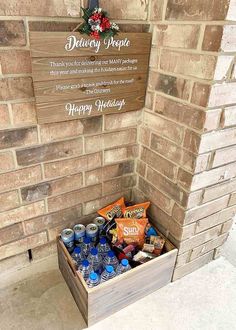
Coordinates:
37 298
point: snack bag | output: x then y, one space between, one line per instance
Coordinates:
158 242
137 211
131 230
114 210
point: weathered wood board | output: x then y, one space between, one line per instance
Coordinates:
76 76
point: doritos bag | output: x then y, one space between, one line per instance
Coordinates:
114 210
137 211
131 230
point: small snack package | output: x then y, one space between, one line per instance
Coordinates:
150 231
143 257
158 242
114 210
137 211
131 230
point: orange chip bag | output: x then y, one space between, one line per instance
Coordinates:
114 210
131 230
137 211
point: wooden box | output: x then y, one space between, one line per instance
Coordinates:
107 298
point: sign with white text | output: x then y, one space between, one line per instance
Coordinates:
75 76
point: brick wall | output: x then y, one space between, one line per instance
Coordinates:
178 151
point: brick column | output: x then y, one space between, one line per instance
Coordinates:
187 160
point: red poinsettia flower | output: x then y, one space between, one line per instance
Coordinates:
95 35
96 17
106 22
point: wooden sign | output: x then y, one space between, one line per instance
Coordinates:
76 76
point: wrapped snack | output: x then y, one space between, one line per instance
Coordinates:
137 211
131 230
114 210
113 232
150 231
158 243
143 257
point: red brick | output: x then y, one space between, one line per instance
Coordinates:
212 120
9 200
51 220
4 116
23 245
166 148
206 209
42 8
72 166
216 140
202 66
20 178
15 61
202 162
192 141
18 137
110 140
12 33
212 38
120 154
6 161
219 190
212 10
229 116
144 135
141 168
55 150
118 184
182 113
149 102
122 120
194 199
184 179
169 35
24 114
156 9
200 94
11 233
128 10
44 251
74 198
178 213
224 156
222 94
168 129
154 56
16 88
22 213
228 43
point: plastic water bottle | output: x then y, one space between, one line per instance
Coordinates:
95 260
93 280
103 247
110 259
108 273
77 256
86 246
123 267
85 269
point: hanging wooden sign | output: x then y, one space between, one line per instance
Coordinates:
76 76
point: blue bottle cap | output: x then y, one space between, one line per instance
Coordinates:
87 240
124 262
94 251
103 240
85 263
77 250
93 276
110 254
109 269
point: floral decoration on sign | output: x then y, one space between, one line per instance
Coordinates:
97 24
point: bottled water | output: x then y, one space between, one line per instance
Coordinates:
123 267
86 246
103 247
95 260
110 259
93 280
77 256
108 273
85 269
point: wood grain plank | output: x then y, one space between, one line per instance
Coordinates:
50 112
85 66
52 44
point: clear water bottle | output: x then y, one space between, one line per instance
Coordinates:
123 267
93 280
103 247
110 259
108 273
77 256
95 260
85 269
86 246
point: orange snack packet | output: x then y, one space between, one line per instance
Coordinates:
137 211
114 210
131 230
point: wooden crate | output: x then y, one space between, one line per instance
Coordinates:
98 303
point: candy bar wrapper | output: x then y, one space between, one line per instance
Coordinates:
158 243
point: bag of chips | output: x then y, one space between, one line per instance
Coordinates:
131 230
114 210
137 211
